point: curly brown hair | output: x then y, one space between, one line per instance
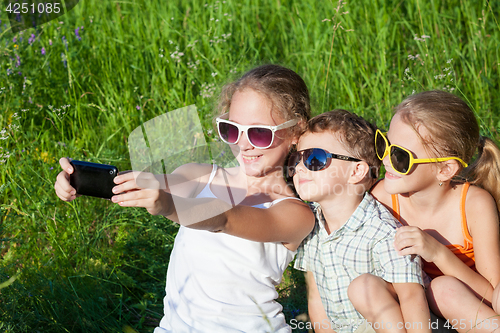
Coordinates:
285 89
354 133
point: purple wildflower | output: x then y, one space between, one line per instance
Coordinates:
31 39
50 42
43 51
18 63
19 73
9 71
65 42
77 35
14 39
138 107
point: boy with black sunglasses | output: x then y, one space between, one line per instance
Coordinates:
335 164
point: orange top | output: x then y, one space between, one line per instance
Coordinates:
465 253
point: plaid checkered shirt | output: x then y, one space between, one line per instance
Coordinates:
364 244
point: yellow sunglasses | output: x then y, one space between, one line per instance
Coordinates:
401 158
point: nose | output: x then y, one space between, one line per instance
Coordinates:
388 164
300 167
243 142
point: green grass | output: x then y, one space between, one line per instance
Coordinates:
90 266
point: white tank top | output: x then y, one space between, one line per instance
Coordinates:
224 284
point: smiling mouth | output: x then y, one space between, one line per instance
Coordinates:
250 158
391 175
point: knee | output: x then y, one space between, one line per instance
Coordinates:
496 299
445 290
361 290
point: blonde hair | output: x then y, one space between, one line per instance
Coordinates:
454 132
286 90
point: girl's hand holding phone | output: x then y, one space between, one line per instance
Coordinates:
62 186
149 195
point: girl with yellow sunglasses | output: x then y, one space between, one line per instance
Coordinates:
447 204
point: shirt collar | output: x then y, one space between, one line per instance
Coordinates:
357 219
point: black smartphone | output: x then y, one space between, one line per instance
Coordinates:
93 179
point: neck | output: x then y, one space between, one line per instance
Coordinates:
337 209
429 199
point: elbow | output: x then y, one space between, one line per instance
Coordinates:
222 224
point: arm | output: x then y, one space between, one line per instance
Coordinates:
414 306
483 224
288 221
317 313
482 219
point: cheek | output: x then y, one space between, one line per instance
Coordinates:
235 150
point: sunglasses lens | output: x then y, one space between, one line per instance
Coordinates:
315 159
293 160
228 132
380 145
260 137
400 159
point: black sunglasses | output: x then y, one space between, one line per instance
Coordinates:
315 159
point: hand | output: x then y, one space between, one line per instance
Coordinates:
149 195
412 240
62 186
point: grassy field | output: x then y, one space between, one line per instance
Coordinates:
91 266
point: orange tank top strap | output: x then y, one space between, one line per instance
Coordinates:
395 206
465 229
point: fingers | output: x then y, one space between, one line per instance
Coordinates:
135 181
404 243
65 165
139 198
407 240
63 188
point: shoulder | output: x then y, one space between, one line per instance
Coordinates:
303 215
186 180
480 210
380 216
478 198
194 169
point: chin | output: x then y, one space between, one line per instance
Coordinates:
393 188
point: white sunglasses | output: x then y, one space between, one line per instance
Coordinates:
259 136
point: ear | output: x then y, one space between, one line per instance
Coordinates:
358 172
447 170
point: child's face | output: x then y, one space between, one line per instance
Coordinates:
249 107
420 175
331 181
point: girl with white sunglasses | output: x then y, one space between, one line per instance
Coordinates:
223 270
